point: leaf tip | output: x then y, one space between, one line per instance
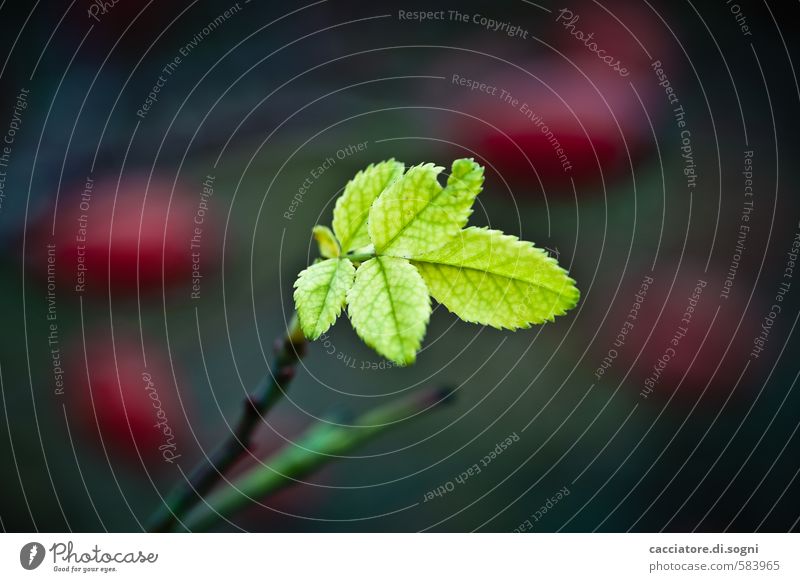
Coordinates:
326 242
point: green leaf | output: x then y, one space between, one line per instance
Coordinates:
415 214
319 295
327 243
389 307
487 277
352 209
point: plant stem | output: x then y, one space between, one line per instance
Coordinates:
359 257
312 450
288 351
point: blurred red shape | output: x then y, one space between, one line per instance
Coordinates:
114 397
127 238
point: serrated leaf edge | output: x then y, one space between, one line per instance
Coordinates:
569 283
345 244
315 333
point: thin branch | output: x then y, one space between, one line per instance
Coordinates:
318 446
288 351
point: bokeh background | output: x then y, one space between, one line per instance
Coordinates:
260 96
